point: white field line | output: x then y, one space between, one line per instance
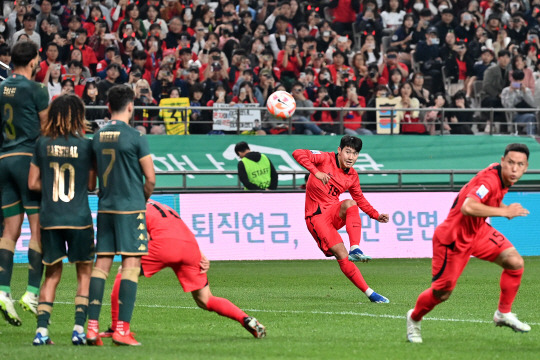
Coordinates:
314 312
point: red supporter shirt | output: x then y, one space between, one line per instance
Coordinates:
165 227
486 187
319 195
292 65
44 66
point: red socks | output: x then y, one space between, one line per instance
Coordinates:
225 308
353 225
353 273
114 300
510 281
425 303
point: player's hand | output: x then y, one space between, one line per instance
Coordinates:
514 210
383 218
325 178
204 264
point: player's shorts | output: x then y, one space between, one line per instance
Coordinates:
122 234
324 226
184 259
80 245
16 197
449 262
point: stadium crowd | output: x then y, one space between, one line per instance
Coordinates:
427 54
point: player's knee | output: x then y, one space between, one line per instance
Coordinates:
442 295
349 203
514 263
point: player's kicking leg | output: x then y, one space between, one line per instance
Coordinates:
46 300
352 272
512 263
205 300
353 225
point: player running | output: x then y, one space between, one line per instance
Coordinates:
331 175
171 244
62 170
465 232
23 108
123 159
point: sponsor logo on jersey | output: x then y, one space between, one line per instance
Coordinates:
315 151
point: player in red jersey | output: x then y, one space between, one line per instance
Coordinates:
465 232
331 175
172 244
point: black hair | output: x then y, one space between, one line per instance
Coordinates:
51 44
4 50
522 148
352 142
139 55
119 96
23 52
503 52
76 63
241 147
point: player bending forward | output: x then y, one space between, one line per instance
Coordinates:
465 232
331 175
172 244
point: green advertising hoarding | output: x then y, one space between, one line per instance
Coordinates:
379 153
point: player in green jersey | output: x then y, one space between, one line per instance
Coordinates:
62 170
23 108
123 159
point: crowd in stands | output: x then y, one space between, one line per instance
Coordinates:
423 54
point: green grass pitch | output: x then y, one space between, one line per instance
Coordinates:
310 309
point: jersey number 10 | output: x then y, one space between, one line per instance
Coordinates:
59 182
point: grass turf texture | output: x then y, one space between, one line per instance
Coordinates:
310 309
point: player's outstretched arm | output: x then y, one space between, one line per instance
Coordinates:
472 207
308 159
147 166
34 178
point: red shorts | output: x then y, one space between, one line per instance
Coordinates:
324 228
183 258
449 262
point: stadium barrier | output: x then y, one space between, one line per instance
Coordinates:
271 225
234 115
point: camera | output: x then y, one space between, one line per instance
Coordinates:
320 55
226 32
326 98
344 73
216 57
216 66
372 74
311 47
145 91
171 60
293 46
227 13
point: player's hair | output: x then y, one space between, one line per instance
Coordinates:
522 148
352 142
241 147
23 52
119 96
66 117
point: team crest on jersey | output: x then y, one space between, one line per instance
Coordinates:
315 151
482 191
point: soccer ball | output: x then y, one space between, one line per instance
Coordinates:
281 104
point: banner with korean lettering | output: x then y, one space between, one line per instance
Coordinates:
259 226
227 119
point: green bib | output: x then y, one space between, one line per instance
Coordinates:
258 173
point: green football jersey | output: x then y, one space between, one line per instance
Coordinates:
64 165
21 101
117 149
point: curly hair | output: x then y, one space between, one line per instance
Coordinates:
66 117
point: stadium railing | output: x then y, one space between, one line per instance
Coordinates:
486 114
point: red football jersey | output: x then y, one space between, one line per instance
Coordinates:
165 234
486 187
319 195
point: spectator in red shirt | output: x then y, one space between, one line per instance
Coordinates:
88 56
289 62
325 119
51 52
352 119
391 62
340 72
345 12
